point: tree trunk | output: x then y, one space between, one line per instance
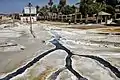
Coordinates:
97 19
86 18
97 16
105 20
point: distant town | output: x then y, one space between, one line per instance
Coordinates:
84 11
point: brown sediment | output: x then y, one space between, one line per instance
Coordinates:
43 75
46 73
111 29
86 27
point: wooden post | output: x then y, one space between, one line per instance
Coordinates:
70 17
101 18
81 17
86 18
66 17
105 19
30 18
97 16
62 18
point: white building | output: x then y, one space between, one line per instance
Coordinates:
29 12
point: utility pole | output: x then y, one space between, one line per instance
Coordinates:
30 5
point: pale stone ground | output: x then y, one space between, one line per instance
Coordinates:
78 41
13 57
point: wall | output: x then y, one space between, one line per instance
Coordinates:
27 19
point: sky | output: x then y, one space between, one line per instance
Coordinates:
12 6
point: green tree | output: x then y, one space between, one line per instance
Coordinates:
62 2
54 9
110 9
44 10
95 8
113 3
68 10
61 5
37 9
84 8
91 7
72 9
50 4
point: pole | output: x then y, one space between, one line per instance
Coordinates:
31 20
75 16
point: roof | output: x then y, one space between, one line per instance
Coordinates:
75 13
103 14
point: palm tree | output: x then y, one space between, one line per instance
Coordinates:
44 11
84 7
37 9
54 9
61 5
62 2
95 8
50 4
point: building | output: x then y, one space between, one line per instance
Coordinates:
117 12
29 14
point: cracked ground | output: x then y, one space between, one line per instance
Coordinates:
63 54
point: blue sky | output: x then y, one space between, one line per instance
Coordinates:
9 6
